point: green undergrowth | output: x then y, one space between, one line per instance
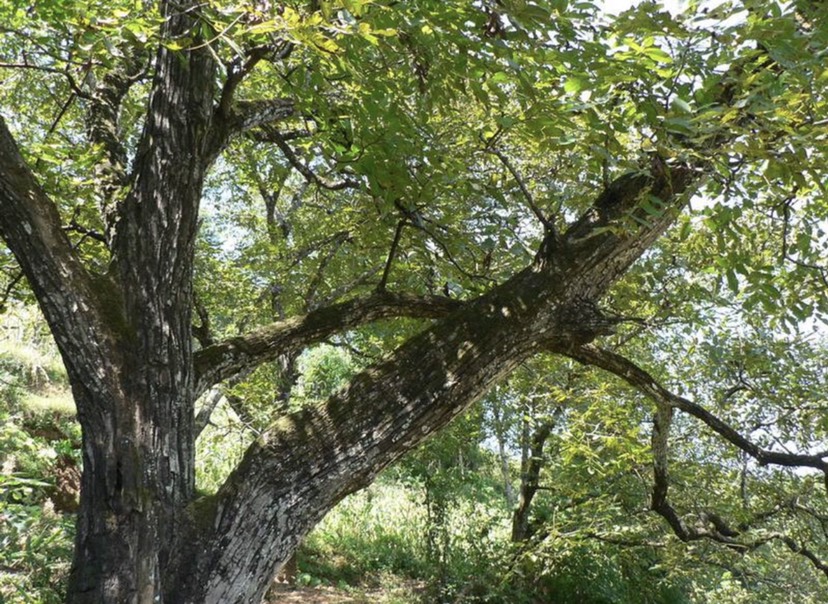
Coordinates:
369 536
39 468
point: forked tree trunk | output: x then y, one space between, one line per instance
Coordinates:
126 341
141 538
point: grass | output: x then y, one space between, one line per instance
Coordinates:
36 368
52 402
356 544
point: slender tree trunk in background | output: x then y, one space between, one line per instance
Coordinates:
525 438
530 481
501 433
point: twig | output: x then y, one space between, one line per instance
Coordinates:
530 201
72 83
310 296
8 290
305 171
73 226
643 381
391 255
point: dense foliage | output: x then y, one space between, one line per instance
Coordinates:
335 173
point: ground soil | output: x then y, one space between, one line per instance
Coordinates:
287 594
290 594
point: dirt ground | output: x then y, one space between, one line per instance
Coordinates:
289 594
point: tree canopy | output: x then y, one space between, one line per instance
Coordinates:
197 192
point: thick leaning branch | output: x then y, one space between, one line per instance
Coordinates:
643 381
31 227
311 458
221 361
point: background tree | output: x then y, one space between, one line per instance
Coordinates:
499 169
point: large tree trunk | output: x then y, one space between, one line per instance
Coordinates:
138 436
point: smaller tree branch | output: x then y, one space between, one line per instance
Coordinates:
662 421
420 225
202 420
221 361
242 117
391 255
721 532
265 134
530 478
9 289
246 115
548 224
31 227
302 253
75 227
240 68
318 276
102 122
203 331
643 381
718 531
103 128
304 170
800 549
237 71
364 278
63 72
56 121
612 540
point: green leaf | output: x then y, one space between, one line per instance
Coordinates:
574 84
732 280
680 105
657 54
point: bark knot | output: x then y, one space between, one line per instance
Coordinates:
580 321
